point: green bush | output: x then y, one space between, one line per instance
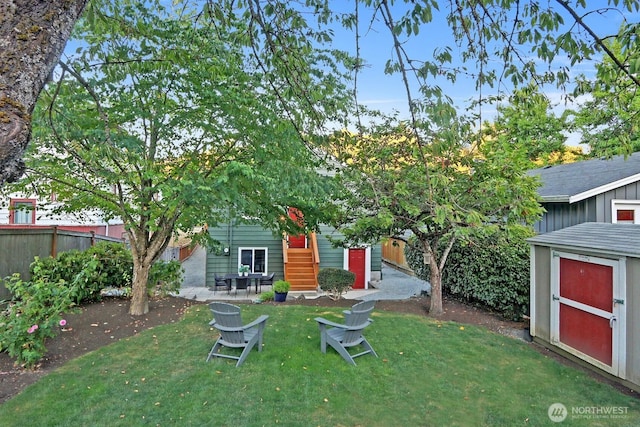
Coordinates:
165 277
492 271
103 266
335 281
266 296
33 315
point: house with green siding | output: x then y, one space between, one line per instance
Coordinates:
296 259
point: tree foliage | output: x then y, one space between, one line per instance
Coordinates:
528 124
608 121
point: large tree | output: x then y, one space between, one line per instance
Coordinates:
32 37
443 189
171 119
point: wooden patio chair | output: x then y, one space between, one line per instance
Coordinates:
233 334
349 334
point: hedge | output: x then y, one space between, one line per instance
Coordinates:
492 271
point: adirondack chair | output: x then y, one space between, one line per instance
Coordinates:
233 334
343 336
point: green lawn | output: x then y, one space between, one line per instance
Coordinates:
428 374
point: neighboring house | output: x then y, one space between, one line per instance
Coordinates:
599 190
29 212
294 258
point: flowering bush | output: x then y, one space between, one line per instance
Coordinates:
33 315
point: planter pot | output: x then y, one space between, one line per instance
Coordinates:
280 296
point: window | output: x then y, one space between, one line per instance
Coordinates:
22 211
255 258
625 216
625 211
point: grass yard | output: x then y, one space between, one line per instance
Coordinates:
428 374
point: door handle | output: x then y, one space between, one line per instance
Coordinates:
611 320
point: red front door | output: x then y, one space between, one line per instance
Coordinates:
299 241
357 265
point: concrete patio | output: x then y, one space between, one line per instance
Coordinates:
394 285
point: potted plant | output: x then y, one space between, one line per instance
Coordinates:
280 290
243 270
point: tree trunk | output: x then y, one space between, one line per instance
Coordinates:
32 37
139 294
436 288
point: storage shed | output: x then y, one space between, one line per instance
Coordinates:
585 296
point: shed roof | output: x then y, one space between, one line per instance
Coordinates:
616 239
572 182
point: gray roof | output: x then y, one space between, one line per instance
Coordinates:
614 239
572 182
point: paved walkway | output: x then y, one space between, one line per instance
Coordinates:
395 285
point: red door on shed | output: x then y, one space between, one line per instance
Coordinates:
586 308
357 257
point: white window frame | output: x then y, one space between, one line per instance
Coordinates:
620 204
253 250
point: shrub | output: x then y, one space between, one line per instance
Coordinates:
492 270
165 277
266 296
33 315
335 281
104 265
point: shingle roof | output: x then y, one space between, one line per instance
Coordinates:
572 182
618 239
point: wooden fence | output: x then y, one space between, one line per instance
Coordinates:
393 253
20 246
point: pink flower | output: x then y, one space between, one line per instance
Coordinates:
63 322
32 329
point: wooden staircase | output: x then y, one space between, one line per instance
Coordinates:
301 266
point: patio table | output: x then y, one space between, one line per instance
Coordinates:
252 276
